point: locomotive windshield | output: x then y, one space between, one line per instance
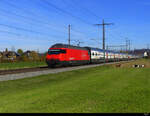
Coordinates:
56 51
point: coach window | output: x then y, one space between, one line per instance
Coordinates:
96 54
93 53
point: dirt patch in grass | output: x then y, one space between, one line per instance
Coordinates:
145 62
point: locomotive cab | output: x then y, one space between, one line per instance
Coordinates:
54 56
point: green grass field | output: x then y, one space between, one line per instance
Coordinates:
18 65
102 89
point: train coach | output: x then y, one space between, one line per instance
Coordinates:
64 55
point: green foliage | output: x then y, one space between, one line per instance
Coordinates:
94 90
29 56
42 58
23 58
20 51
18 65
6 49
34 56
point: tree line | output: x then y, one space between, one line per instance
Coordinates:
21 56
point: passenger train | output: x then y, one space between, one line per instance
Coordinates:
64 55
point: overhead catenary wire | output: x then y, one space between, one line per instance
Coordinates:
36 20
30 19
70 5
27 30
25 36
82 8
65 12
20 15
73 6
8 32
29 13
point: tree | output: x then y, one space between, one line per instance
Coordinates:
20 51
35 56
6 50
24 58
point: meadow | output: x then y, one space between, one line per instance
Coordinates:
104 89
18 65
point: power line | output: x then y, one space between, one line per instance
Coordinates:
23 29
103 25
116 46
30 19
10 4
73 4
20 15
19 35
85 36
29 12
83 33
128 44
58 30
10 33
27 30
78 42
148 46
69 34
19 28
66 12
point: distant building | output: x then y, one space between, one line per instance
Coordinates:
27 53
140 52
10 55
146 54
31 55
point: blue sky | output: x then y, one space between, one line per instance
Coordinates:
38 24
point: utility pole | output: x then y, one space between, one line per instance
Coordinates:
148 46
69 34
126 45
129 45
103 25
107 47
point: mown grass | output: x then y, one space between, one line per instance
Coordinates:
18 65
94 90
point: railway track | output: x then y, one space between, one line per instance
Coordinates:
22 70
6 75
25 70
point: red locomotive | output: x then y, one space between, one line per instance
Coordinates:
61 54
